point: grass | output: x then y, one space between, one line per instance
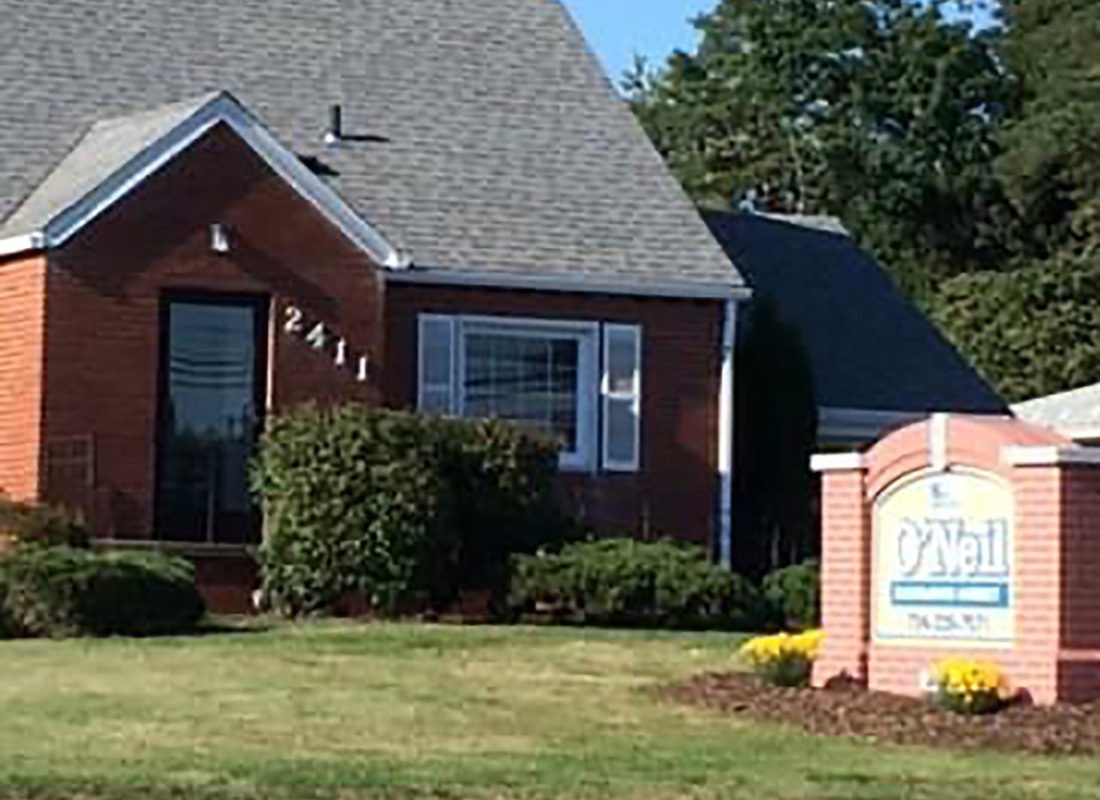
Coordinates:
391 711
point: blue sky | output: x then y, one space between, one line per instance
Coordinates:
617 29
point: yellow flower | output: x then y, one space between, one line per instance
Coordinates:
974 684
782 645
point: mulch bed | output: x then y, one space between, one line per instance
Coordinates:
851 711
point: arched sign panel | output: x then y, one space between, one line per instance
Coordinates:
942 561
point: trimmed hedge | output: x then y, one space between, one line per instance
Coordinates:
396 506
63 591
638 584
794 595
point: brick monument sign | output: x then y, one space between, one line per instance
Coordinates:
963 536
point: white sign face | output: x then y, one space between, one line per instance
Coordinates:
942 561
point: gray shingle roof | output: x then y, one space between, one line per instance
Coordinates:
869 346
505 148
1076 411
107 147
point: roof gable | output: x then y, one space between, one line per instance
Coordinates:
116 155
485 136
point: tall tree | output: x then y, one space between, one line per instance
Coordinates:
1052 158
1036 330
881 112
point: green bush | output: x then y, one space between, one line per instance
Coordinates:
8 628
499 487
632 583
395 505
62 591
794 595
33 523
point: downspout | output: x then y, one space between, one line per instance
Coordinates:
725 437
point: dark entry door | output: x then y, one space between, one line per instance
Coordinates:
212 396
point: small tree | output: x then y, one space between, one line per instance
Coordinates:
776 428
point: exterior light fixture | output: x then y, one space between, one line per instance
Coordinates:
219 238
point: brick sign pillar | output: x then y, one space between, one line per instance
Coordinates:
963 536
846 614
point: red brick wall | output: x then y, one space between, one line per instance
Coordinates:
1080 567
22 319
104 291
675 492
846 574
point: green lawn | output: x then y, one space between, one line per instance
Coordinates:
348 712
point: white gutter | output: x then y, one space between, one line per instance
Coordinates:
856 426
14 245
725 437
575 282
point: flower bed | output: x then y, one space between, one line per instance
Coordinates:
848 711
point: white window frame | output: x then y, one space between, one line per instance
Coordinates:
609 396
586 334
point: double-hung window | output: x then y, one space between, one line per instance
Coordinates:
578 382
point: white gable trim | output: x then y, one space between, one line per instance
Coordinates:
222 109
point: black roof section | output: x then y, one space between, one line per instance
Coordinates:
871 348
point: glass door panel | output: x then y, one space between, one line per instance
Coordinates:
211 410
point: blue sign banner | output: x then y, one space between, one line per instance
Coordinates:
949 594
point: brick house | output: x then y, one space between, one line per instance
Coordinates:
210 213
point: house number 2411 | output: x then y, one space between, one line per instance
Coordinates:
318 336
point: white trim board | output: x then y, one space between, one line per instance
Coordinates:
221 109
1050 455
14 245
574 282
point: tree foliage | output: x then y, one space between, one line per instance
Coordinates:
1051 164
968 162
883 113
1035 330
1032 331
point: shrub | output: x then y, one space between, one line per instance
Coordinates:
794 595
627 582
33 523
7 625
62 591
783 659
394 505
970 687
500 492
